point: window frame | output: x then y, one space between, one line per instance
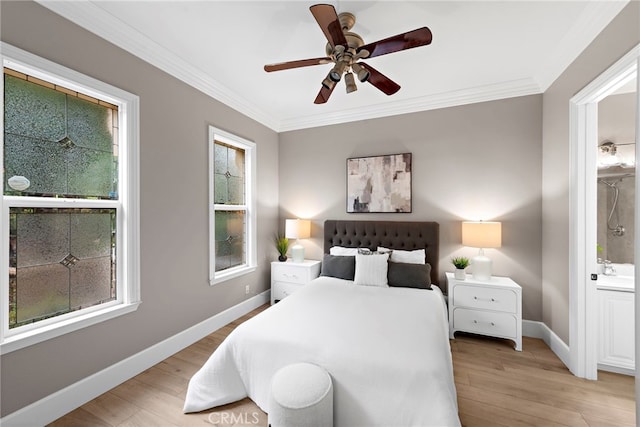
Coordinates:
127 205
249 207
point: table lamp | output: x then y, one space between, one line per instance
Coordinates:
297 229
481 234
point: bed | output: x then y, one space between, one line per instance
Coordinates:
385 347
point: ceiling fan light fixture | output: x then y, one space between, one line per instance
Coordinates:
328 83
362 73
336 72
350 82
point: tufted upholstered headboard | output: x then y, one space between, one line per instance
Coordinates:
389 234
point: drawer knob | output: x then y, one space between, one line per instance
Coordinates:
475 321
493 324
476 298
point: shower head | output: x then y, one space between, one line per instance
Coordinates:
607 183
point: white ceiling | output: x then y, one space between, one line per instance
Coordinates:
481 50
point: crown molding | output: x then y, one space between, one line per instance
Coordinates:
473 95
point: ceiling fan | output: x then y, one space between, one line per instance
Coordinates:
345 49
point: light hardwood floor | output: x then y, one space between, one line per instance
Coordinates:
496 386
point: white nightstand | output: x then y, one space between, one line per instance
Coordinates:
288 277
492 307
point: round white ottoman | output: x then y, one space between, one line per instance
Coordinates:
301 396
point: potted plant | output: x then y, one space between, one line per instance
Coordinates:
282 245
460 263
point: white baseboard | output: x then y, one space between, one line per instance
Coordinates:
616 369
52 407
535 329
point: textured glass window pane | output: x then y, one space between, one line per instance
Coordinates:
220 189
33 110
43 163
235 162
236 191
64 145
229 232
91 172
43 291
221 185
89 125
91 237
91 282
42 238
228 175
220 159
60 260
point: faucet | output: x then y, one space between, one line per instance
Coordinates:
609 270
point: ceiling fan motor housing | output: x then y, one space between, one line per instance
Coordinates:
354 41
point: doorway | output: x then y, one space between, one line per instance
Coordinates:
583 303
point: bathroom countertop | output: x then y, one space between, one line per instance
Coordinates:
616 283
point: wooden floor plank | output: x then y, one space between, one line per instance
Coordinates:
80 418
111 408
544 412
498 415
496 386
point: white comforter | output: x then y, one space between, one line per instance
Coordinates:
387 351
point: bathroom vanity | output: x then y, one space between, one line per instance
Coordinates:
616 331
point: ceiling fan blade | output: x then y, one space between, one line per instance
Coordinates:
420 37
381 81
328 21
323 95
297 64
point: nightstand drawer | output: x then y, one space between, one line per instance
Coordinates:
290 273
485 298
484 322
281 290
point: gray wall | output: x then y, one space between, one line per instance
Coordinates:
612 43
480 161
174 227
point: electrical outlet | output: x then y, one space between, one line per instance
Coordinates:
247 289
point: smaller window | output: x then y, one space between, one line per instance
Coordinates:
232 229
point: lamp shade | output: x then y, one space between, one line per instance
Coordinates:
482 234
297 229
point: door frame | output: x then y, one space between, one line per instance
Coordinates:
583 141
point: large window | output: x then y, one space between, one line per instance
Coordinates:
69 204
231 206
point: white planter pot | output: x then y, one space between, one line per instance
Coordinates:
459 274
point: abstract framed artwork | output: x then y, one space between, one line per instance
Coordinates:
379 184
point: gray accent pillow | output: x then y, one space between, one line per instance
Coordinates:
404 275
341 267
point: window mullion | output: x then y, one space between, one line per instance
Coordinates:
52 202
220 207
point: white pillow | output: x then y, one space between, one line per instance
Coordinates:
371 270
409 257
342 251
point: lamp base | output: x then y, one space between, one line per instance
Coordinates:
481 265
297 253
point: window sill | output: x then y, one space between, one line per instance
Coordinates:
25 339
232 273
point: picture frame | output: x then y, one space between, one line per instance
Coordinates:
379 184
